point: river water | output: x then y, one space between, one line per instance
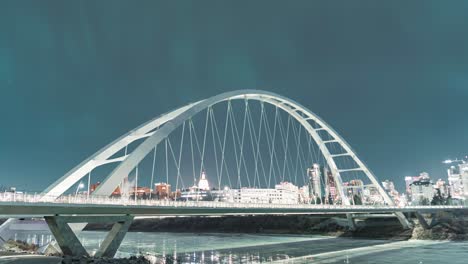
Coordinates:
254 248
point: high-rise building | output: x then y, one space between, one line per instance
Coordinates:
455 182
410 179
315 174
422 192
458 180
463 170
330 188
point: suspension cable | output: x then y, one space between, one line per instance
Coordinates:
222 146
273 153
234 144
285 145
177 164
214 148
167 165
241 141
180 158
153 168
191 148
136 182
297 140
202 168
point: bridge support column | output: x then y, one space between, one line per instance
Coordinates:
71 245
403 220
422 221
439 218
351 222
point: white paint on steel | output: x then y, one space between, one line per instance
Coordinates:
170 121
103 156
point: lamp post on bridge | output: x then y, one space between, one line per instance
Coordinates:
80 186
89 184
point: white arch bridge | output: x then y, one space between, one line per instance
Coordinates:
327 141
250 143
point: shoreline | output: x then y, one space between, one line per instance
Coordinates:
275 225
301 225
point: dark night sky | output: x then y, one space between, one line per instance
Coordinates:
389 76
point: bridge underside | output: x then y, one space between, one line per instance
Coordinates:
52 209
12 209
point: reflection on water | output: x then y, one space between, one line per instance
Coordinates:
435 252
202 248
223 248
252 248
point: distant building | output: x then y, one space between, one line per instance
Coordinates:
458 180
141 192
402 200
201 192
371 195
410 179
315 188
455 182
203 182
176 195
389 187
283 193
288 193
463 170
424 176
195 194
358 184
331 196
116 192
224 195
442 187
304 195
354 191
422 192
162 190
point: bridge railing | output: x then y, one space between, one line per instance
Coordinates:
130 201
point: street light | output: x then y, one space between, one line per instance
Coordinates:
80 186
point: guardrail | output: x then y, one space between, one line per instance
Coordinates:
22 198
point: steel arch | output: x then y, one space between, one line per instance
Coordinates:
170 121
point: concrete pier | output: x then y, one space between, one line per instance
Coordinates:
71 245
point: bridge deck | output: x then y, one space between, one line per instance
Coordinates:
20 209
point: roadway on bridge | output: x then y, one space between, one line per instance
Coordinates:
20 209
